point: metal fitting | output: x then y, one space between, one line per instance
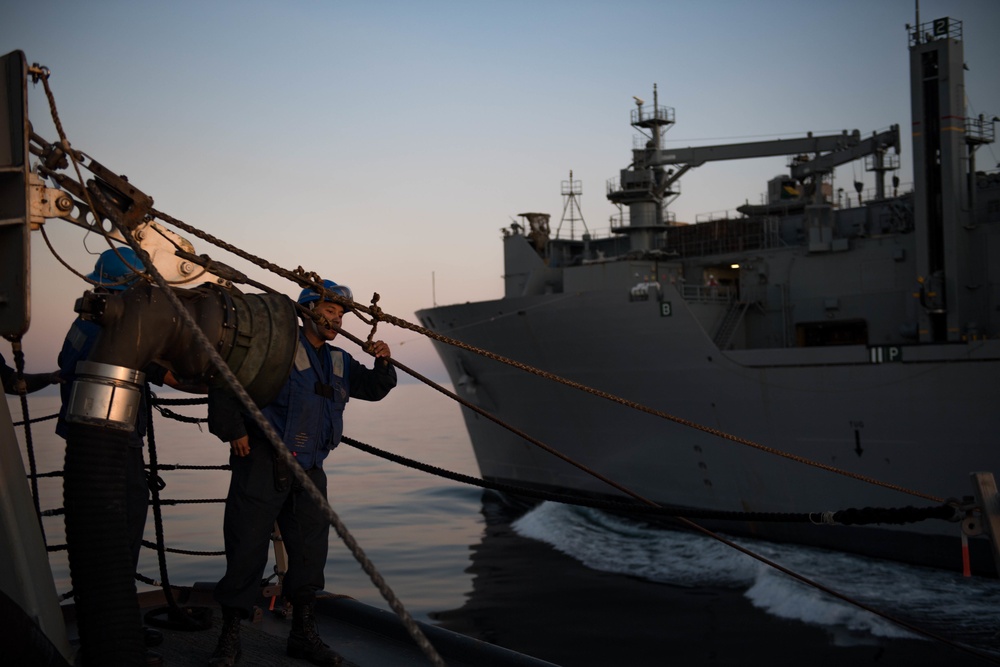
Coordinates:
106 396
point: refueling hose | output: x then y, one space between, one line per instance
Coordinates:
100 558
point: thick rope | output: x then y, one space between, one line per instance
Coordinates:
685 521
691 524
275 442
848 517
154 489
301 278
173 615
185 552
15 346
35 420
234 385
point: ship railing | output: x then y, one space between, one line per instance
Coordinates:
602 232
623 219
882 162
700 247
942 28
632 181
619 220
850 198
645 114
718 215
592 234
709 294
980 130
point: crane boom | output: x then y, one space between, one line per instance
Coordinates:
698 155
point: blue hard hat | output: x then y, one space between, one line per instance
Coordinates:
309 295
111 270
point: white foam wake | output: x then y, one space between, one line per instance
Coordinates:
610 544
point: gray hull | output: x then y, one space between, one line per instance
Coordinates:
922 424
857 347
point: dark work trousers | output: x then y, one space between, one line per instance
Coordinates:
136 499
252 506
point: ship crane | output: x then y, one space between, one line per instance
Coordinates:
830 151
877 145
645 183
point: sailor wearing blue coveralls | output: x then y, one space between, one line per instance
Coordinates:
112 272
307 415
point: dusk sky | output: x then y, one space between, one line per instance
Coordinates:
383 143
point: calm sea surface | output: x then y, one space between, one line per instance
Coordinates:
465 561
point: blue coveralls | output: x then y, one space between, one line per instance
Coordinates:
307 415
76 347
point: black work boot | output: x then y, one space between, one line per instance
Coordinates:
227 651
305 642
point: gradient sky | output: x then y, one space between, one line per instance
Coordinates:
383 143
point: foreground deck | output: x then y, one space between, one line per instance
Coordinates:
363 635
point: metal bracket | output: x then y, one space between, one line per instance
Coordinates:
170 252
46 202
172 255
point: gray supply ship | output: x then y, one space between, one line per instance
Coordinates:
863 339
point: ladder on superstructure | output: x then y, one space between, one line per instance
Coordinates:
730 322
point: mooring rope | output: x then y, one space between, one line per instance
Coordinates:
302 278
15 345
629 508
94 193
173 615
847 517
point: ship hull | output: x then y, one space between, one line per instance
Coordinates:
812 420
810 357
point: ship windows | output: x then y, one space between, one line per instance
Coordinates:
836 332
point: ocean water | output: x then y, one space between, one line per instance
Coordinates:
930 599
461 558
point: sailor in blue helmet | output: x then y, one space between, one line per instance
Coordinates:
114 271
307 415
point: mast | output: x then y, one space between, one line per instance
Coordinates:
950 266
571 206
644 188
